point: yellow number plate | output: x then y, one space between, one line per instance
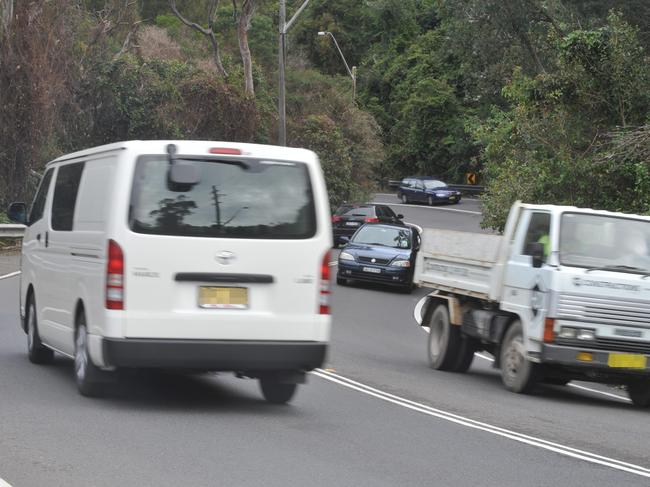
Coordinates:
223 297
627 361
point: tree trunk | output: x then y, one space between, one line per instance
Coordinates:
243 25
6 16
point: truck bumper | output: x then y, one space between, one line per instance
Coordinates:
602 362
233 355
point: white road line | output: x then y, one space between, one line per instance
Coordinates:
7 276
429 207
486 427
4 484
576 386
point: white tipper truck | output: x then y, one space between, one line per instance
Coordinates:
563 294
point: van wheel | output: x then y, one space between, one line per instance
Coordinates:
36 351
517 372
405 200
445 341
90 378
277 392
639 393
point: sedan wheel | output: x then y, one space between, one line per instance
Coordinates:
430 201
405 200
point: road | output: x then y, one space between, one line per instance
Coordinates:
398 423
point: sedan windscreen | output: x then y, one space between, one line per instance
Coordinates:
399 238
234 199
434 184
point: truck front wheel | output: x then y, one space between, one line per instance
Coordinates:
517 372
448 349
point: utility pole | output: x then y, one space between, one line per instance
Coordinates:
217 205
282 109
282 56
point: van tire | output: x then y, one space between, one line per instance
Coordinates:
639 393
518 374
277 392
36 351
90 378
445 340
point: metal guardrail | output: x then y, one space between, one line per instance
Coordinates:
12 230
464 188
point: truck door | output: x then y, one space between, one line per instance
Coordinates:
526 288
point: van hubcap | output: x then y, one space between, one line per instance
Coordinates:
81 357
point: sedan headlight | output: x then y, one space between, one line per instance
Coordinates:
346 256
401 263
441 195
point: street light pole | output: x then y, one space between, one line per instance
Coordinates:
352 72
284 28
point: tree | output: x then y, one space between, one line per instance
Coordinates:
213 5
243 16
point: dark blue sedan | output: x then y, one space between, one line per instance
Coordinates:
380 253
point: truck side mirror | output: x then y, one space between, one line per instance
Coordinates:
17 213
536 251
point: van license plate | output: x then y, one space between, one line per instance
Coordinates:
627 361
223 297
372 269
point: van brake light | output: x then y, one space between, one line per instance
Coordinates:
114 276
324 302
226 151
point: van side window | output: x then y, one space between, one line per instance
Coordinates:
38 205
539 230
65 196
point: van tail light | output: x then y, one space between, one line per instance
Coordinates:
336 219
114 277
372 219
325 285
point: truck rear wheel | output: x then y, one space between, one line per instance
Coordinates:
448 350
517 372
639 393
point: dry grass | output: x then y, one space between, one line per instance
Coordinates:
155 43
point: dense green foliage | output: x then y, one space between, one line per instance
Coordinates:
547 99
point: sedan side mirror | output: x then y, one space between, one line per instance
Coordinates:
536 251
344 240
17 213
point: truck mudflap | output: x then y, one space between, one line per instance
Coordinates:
423 310
606 361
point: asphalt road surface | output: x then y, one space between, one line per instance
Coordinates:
376 416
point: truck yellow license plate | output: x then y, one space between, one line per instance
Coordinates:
223 297
627 361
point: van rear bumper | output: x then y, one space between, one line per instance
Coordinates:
224 355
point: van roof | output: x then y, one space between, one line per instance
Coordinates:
195 147
574 209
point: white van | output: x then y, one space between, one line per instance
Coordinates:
179 254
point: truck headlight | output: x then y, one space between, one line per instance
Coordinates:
566 332
346 256
586 335
401 263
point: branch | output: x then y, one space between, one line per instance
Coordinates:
127 41
193 25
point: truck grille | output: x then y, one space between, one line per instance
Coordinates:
607 344
604 310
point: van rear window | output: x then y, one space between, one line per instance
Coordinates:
262 199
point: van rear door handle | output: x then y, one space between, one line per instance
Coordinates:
38 237
47 239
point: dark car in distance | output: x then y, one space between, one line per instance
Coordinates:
380 253
348 218
426 190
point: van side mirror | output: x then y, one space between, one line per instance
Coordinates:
400 217
17 213
536 251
